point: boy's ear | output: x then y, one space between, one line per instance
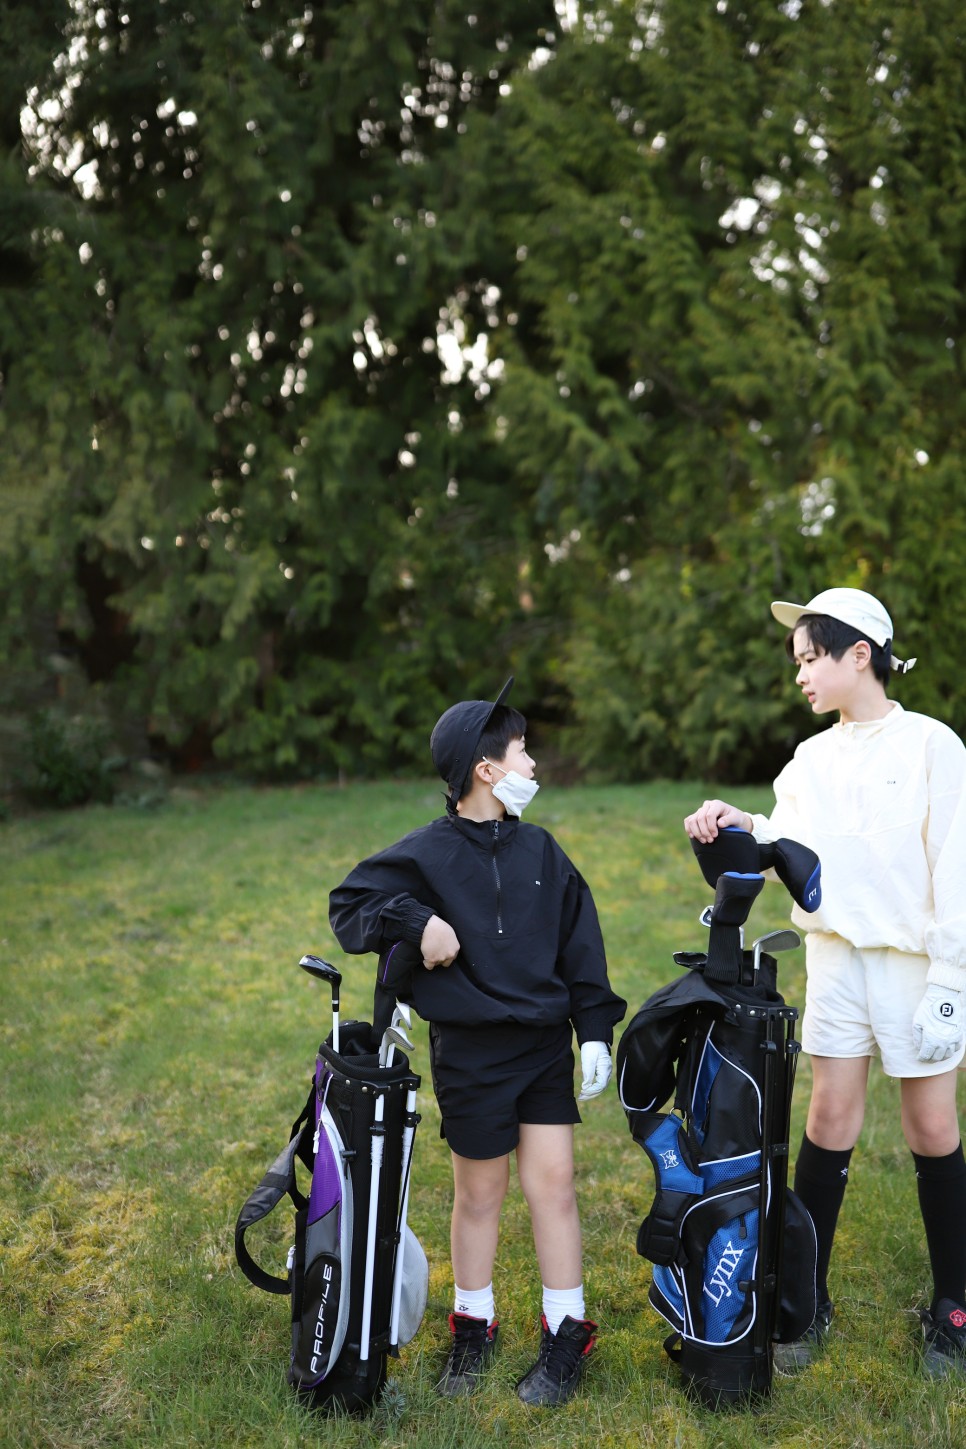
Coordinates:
863 653
482 771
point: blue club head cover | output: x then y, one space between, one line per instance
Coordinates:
734 851
799 870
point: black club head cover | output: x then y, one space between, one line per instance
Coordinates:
799 870
733 850
735 894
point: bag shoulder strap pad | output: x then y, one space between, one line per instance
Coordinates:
278 1180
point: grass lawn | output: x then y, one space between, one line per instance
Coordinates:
157 1042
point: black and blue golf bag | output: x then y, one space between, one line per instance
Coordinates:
356 1275
733 1248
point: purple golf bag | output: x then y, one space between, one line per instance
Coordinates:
733 1248
356 1275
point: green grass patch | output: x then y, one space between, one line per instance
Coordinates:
157 1040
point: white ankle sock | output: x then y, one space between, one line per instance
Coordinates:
558 1303
477 1302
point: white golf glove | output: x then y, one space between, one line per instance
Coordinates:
937 1027
595 1065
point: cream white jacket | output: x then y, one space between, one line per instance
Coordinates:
882 804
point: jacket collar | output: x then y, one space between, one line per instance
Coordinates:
480 832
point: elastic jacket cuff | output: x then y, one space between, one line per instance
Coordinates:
416 920
594 1026
952 977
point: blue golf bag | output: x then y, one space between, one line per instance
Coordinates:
733 1248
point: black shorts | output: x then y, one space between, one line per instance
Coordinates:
489 1079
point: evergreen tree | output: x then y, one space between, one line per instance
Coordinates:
240 470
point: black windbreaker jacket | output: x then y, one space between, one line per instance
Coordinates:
531 947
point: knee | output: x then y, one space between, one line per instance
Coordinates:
480 1200
931 1136
553 1188
930 1121
834 1123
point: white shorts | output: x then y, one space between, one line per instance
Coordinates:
860 1003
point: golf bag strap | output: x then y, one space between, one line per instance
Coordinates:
303 1143
278 1181
659 1236
672 1347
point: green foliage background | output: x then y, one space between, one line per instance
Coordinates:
355 355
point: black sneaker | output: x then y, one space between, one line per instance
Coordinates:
556 1373
944 1332
791 1358
472 1348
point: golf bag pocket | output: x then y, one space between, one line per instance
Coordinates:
724 1109
796 1304
665 1141
323 1243
704 1245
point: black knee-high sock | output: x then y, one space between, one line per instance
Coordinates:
821 1176
942 1202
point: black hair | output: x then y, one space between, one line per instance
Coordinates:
505 725
833 637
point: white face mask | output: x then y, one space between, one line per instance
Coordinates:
513 791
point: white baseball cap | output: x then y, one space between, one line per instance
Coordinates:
854 607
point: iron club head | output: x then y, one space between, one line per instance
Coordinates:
402 1015
774 941
392 1037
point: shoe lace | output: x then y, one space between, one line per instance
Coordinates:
469 1341
564 1356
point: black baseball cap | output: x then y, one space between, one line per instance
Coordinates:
455 741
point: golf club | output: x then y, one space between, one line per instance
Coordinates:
391 1038
774 941
401 1017
322 971
402 1014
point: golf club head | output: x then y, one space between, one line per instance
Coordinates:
402 1014
321 970
392 1037
778 941
774 941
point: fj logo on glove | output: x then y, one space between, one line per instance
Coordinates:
946 1009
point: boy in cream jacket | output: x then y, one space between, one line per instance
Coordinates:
879 796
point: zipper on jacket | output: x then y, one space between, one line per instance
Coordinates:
496 877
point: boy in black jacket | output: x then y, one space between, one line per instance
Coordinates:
509 961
